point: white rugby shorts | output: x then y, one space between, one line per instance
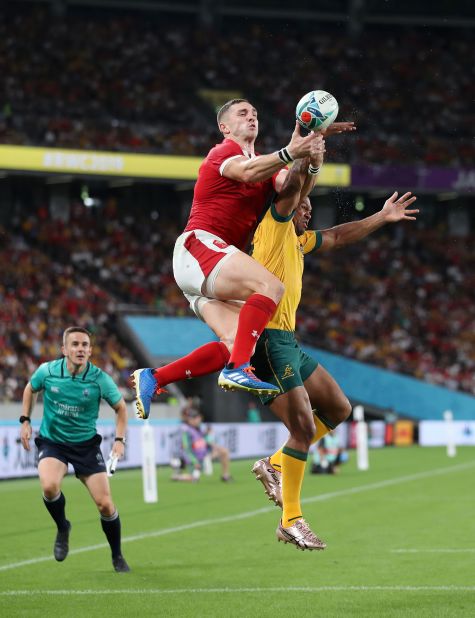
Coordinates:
197 259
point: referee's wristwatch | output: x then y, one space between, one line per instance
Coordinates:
24 419
123 440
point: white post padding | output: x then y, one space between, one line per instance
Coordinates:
450 433
362 458
149 469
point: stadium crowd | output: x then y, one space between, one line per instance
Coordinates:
384 301
39 298
146 82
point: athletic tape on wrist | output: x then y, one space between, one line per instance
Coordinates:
285 156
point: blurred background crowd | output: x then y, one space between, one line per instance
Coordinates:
384 301
145 82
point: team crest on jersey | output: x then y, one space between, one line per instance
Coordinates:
220 244
55 389
85 393
288 372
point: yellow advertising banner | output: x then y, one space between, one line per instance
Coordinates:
104 163
404 433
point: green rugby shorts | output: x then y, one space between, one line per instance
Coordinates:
278 359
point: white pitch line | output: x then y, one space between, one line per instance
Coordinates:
284 590
231 518
440 550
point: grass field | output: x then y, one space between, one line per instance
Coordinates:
401 542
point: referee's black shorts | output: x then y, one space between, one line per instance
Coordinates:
85 457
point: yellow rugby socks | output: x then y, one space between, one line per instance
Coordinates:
323 427
293 469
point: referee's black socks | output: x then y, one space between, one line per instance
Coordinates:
111 527
56 508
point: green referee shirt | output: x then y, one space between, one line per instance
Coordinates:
71 403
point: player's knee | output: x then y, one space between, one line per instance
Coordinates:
304 429
228 342
277 290
106 506
271 287
343 410
51 490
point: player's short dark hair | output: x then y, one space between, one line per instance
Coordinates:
75 329
222 110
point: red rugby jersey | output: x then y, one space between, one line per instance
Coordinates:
225 207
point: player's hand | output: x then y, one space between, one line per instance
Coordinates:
25 435
118 449
396 209
338 127
317 151
299 145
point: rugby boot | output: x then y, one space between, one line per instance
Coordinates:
145 388
270 478
300 535
242 379
61 543
120 565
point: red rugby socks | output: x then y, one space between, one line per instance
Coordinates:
253 318
206 359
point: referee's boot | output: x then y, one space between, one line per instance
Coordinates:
242 379
120 565
61 543
146 387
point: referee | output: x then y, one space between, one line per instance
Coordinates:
72 389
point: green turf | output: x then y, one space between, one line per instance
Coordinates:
225 561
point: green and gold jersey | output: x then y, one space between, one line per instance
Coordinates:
277 247
71 403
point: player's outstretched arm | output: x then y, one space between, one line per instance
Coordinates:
338 127
289 196
315 165
317 154
263 167
394 209
28 402
118 448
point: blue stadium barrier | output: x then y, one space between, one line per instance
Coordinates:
174 337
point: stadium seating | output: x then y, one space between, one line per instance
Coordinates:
137 81
384 301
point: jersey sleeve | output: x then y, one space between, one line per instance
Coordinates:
37 380
221 154
109 390
311 241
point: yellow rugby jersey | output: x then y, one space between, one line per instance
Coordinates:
277 247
